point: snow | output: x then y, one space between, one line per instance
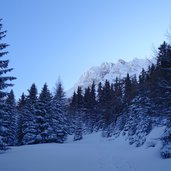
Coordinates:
93 153
110 71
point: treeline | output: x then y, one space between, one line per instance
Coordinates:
34 119
101 107
50 117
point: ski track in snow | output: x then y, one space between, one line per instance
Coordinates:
93 153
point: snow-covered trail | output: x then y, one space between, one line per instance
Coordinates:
91 154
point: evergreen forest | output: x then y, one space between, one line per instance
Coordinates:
131 106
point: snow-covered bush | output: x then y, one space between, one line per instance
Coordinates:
166 141
166 152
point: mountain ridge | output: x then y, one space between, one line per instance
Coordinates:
109 71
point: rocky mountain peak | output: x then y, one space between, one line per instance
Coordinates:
109 71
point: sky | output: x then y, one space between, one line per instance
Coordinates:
64 38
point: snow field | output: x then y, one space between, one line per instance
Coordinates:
93 153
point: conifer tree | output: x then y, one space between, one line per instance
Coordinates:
79 99
164 64
93 96
142 76
129 89
90 108
157 79
59 120
71 113
79 114
107 103
10 119
29 114
4 83
44 116
117 97
87 98
100 95
20 110
100 107
73 103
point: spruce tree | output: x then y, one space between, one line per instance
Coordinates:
142 76
73 103
87 99
79 99
110 107
161 93
160 80
20 120
4 83
79 115
90 108
11 119
29 117
100 107
44 116
71 113
129 89
117 97
164 64
100 95
93 96
59 119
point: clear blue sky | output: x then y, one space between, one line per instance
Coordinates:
52 38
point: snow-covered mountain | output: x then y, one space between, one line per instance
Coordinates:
110 71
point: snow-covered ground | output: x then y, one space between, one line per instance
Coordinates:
93 153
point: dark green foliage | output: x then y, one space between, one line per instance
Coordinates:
79 99
20 121
90 104
90 98
5 82
129 89
117 97
10 119
164 65
43 116
59 119
107 103
77 110
2 127
100 94
42 119
29 114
